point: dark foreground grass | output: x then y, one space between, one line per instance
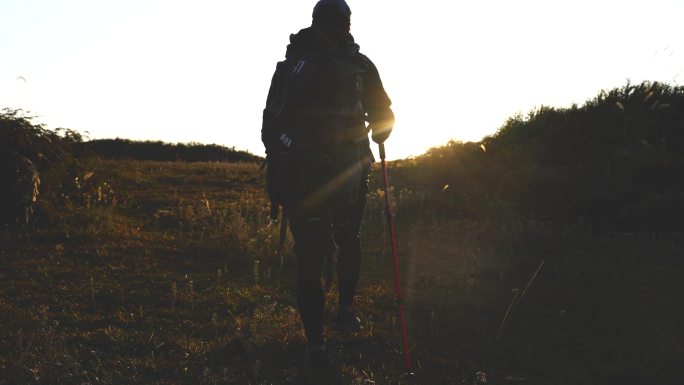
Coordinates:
172 279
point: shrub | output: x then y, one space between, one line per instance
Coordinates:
27 151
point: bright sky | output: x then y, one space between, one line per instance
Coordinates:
182 71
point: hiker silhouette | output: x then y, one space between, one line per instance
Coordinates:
318 159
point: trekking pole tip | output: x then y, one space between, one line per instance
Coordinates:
409 374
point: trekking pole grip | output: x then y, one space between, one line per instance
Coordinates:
381 147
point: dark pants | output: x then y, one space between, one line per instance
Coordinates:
315 237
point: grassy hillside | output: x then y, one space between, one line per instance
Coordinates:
170 276
519 262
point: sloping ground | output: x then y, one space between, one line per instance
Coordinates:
152 278
595 310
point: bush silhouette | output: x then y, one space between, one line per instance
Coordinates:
26 151
615 162
160 151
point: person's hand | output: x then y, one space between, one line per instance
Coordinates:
380 134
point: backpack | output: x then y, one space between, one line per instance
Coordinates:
312 123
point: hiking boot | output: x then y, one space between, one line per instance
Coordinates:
347 321
318 370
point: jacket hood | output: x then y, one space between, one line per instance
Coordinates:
320 40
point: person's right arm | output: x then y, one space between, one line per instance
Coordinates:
376 102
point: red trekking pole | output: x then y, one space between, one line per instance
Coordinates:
393 243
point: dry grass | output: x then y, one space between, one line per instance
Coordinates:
159 283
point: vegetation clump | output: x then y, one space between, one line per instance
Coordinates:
27 152
614 163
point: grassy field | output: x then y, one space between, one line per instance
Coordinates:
166 273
